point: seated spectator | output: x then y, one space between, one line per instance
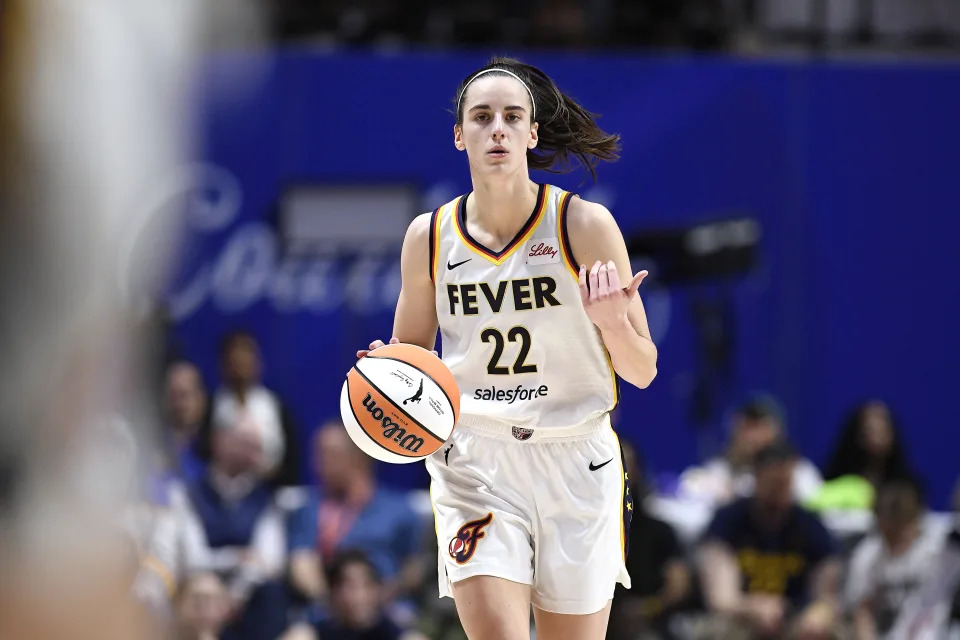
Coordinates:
888 567
243 403
933 612
756 424
201 608
769 566
349 510
658 571
185 406
231 526
870 447
357 605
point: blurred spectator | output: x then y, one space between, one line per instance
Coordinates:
232 526
559 22
350 511
933 613
357 605
185 406
658 570
756 424
243 403
870 447
202 608
768 565
888 567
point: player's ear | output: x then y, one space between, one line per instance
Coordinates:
534 137
458 138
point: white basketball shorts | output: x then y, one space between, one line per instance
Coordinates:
545 507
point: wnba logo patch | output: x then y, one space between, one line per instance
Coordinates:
521 434
464 545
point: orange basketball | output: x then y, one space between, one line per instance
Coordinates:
400 403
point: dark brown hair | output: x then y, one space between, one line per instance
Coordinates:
566 129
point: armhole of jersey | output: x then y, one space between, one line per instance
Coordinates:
434 243
613 373
568 258
565 248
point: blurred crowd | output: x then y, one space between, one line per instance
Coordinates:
699 24
229 544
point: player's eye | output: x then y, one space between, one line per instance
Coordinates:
513 117
482 117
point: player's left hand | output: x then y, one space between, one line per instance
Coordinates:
603 297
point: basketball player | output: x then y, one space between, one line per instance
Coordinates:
532 290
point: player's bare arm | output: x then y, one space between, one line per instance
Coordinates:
608 290
415 321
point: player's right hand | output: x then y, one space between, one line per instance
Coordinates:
376 344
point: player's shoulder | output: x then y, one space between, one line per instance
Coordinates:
420 226
585 217
418 233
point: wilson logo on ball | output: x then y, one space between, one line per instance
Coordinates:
392 430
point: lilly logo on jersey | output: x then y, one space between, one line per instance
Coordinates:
464 544
392 430
543 251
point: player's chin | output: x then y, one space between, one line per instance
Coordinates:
500 164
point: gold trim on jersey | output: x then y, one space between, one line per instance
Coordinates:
623 497
613 372
436 221
562 235
499 257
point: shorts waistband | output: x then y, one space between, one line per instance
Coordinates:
504 431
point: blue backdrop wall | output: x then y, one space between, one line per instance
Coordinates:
851 169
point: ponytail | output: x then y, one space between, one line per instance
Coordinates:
567 132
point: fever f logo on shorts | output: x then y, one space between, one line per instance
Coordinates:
463 546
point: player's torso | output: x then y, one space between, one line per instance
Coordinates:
514 331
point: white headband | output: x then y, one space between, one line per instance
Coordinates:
533 104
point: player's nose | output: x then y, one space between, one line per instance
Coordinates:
498 125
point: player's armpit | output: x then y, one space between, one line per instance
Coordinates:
415 320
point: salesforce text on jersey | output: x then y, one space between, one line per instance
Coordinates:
511 395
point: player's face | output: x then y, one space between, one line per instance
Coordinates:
496 131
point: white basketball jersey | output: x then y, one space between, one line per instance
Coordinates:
514 331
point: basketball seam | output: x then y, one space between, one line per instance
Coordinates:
360 424
439 386
392 402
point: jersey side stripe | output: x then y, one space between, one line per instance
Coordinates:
613 376
434 243
562 234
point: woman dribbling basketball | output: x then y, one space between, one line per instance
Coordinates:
532 291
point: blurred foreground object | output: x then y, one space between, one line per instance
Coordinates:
93 116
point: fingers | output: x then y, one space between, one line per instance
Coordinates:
595 280
584 291
613 278
635 283
376 344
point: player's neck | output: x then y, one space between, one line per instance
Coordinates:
502 205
